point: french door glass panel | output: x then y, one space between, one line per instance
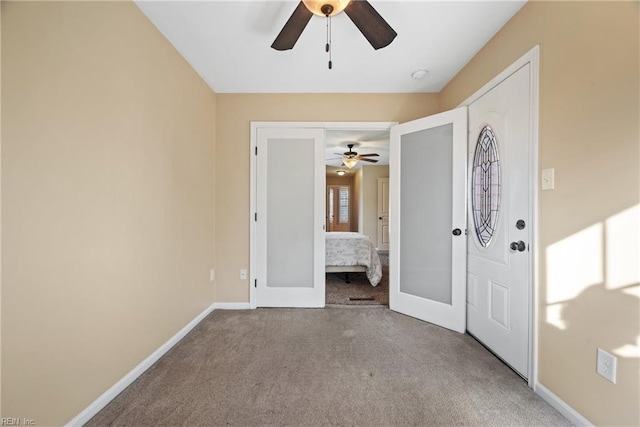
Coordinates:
290 207
425 213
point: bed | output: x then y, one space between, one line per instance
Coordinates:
348 252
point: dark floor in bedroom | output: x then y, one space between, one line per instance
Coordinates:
359 291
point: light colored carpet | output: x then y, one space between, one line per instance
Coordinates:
334 366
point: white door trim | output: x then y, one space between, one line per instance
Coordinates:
532 57
252 177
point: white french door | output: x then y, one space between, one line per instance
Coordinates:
290 216
428 219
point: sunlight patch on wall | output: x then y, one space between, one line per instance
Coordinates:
575 263
622 243
629 350
633 290
554 316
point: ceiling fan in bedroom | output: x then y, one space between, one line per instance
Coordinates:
350 158
372 26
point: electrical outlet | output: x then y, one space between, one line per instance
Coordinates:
212 275
243 274
606 365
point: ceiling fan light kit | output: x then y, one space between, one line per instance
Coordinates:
372 26
350 162
317 7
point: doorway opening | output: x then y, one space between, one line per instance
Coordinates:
348 282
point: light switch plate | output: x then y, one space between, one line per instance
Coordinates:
243 274
548 179
212 275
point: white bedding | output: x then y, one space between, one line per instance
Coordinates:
353 249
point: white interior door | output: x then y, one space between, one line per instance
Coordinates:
383 214
500 225
428 219
290 218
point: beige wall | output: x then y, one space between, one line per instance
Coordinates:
370 175
234 115
107 200
589 132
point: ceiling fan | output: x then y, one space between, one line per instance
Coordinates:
372 26
350 158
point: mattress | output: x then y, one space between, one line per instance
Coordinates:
348 249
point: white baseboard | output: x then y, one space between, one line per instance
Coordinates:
232 306
102 401
561 406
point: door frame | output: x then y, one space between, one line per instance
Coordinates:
253 176
532 57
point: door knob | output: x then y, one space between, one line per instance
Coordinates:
457 232
519 246
379 217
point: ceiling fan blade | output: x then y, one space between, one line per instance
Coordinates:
368 160
369 155
291 31
372 26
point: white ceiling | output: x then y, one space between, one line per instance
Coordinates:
229 44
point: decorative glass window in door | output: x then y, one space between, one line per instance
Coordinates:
485 182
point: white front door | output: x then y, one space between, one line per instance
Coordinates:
428 218
383 214
289 218
500 226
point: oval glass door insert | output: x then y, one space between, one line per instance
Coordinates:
485 182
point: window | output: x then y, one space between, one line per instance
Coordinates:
343 205
485 183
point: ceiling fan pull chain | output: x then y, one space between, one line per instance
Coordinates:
328 45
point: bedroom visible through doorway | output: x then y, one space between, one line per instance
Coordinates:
357 266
